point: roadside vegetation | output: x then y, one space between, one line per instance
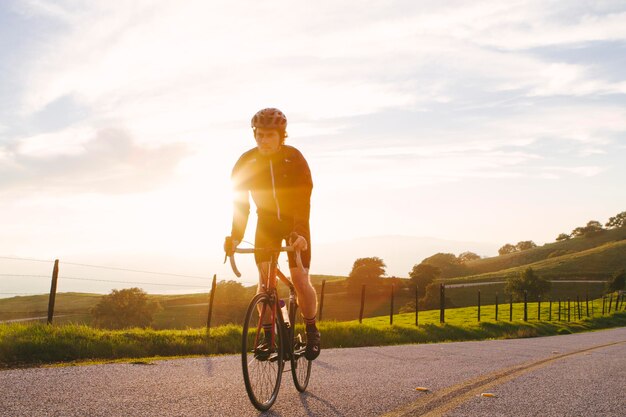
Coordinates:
39 344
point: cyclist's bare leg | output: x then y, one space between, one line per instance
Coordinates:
307 297
264 268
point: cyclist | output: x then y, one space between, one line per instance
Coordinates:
279 180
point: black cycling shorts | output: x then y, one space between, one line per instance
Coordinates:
271 232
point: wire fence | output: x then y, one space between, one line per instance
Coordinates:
334 302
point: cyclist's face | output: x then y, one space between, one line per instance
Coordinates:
267 140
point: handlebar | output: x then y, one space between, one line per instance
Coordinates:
233 265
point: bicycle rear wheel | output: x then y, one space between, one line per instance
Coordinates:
262 363
300 366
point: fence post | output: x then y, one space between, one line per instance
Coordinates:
587 303
511 308
391 309
53 290
559 309
525 305
496 306
578 306
569 310
416 307
550 309
213 285
442 303
538 308
610 302
362 303
322 300
478 305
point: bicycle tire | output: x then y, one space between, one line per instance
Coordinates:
262 371
300 366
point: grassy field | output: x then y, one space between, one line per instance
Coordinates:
35 344
191 310
597 263
562 259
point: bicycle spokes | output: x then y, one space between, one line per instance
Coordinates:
262 354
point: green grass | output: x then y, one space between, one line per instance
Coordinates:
38 344
595 263
604 254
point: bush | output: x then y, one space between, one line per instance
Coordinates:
124 309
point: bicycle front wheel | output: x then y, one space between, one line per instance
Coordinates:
300 366
262 355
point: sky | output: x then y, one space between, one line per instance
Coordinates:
489 122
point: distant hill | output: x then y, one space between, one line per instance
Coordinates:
596 257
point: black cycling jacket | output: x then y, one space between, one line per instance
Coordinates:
280 185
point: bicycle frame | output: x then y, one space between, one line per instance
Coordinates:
269 286
261 386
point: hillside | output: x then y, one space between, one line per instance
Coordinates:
614 258
597 263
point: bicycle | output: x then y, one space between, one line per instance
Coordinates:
263 358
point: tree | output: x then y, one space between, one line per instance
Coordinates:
423 274
366 271
527 281
619 220
525 245
448 263
593 228
129 307
563 236
432 299
617 282
468 256
506 249
231 300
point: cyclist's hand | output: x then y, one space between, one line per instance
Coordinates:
230 245
298 242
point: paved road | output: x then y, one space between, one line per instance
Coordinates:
577 375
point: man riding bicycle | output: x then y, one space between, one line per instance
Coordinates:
279 180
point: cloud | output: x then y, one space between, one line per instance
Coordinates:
172 73
198 65
107 162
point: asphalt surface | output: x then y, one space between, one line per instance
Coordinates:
577 375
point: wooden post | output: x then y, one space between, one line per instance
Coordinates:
322 300
416 307
587 303
525 306
539 308
213 285
610 303
362 303
478 305
578 306
53 290
569 310
603 304
550 309
496 306
391 308
442 303
559 309
511 308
